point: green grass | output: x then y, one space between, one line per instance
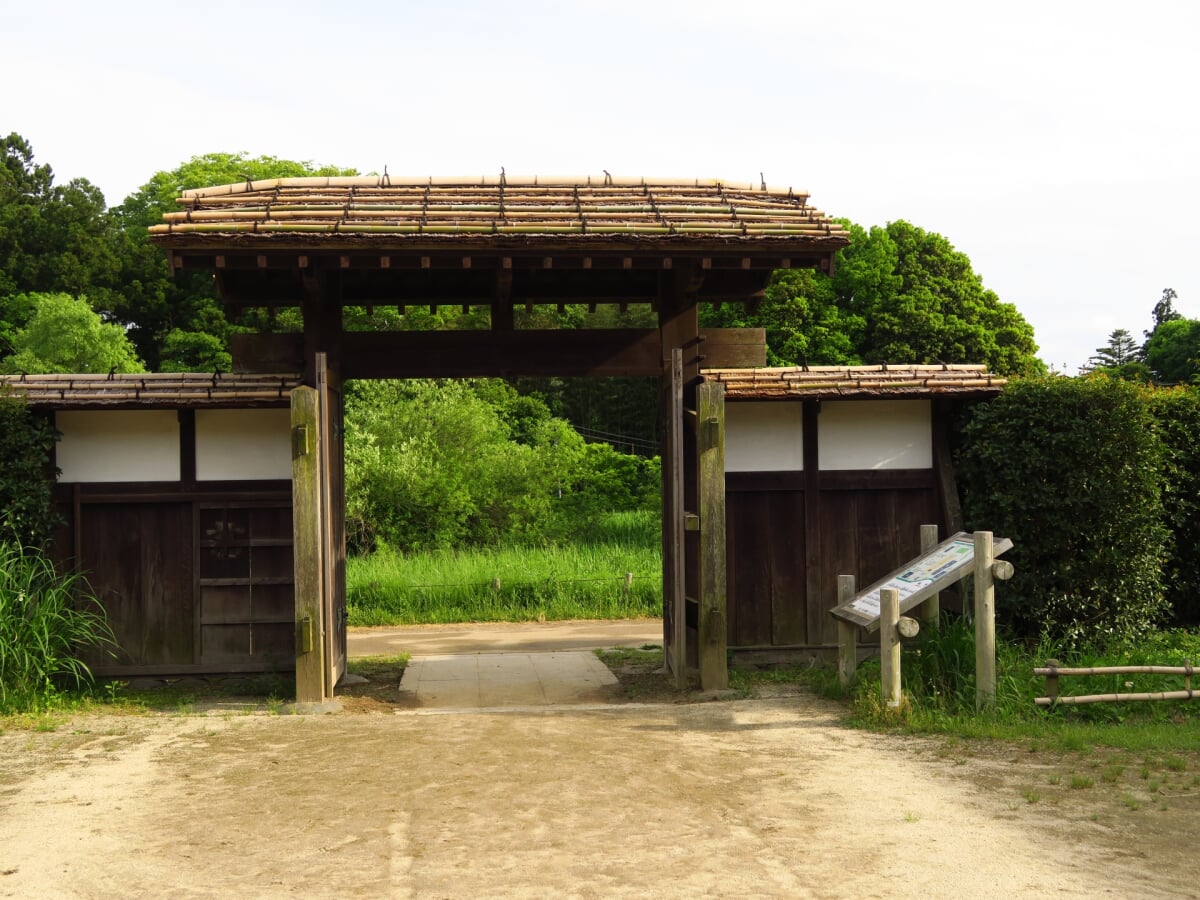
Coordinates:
938 677
515 584
47 621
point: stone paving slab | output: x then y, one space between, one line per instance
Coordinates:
478 680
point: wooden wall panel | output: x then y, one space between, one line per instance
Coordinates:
780 593
787 549
138 559
765 561
748 525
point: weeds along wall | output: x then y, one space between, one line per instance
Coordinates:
1075 471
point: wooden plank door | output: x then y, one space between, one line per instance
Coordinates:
674 564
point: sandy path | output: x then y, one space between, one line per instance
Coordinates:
764 798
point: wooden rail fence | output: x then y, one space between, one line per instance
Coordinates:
1053 671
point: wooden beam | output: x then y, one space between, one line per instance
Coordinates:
733 348
439 354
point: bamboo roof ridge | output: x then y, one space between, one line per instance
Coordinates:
151 390
376 207
862 382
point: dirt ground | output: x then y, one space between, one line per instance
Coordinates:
762 797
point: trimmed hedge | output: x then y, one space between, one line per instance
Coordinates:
1072 469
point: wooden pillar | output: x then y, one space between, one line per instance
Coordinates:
714 670
307 516
321 307
817 595
889 645
930 610
674 597
847 634
985 622
679 333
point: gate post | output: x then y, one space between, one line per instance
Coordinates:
306 535
710 446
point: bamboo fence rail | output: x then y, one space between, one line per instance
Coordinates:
1052 672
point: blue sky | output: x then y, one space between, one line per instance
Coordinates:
1056 143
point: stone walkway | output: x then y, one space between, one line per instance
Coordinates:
505 665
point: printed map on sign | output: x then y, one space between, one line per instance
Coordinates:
937 564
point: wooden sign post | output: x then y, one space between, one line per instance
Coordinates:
883 604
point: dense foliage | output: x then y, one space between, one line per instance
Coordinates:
1177 414
64 334
27 516
432 464
1070 469
900 294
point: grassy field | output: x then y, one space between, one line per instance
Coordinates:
585 580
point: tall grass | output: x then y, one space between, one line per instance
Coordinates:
586 579
45 621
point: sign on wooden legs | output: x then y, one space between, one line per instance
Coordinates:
931 572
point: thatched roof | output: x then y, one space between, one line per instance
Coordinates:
480 210
862 382
164 390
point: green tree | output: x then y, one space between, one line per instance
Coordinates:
900 295
1121 358
66 335
1164 310
52 237
804 320
153 304
1173 351
922 302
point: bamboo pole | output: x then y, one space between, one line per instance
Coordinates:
1113 698
1051 669
985 622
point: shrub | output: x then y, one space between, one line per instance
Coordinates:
1070 470
45 621
26 504
1177 412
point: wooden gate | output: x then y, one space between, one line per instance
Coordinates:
317 496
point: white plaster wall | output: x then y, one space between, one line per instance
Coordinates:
875 434
243 444
118 445
763 437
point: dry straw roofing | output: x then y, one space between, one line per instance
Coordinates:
827 382
168 390
374 206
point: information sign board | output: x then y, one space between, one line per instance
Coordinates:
932 571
